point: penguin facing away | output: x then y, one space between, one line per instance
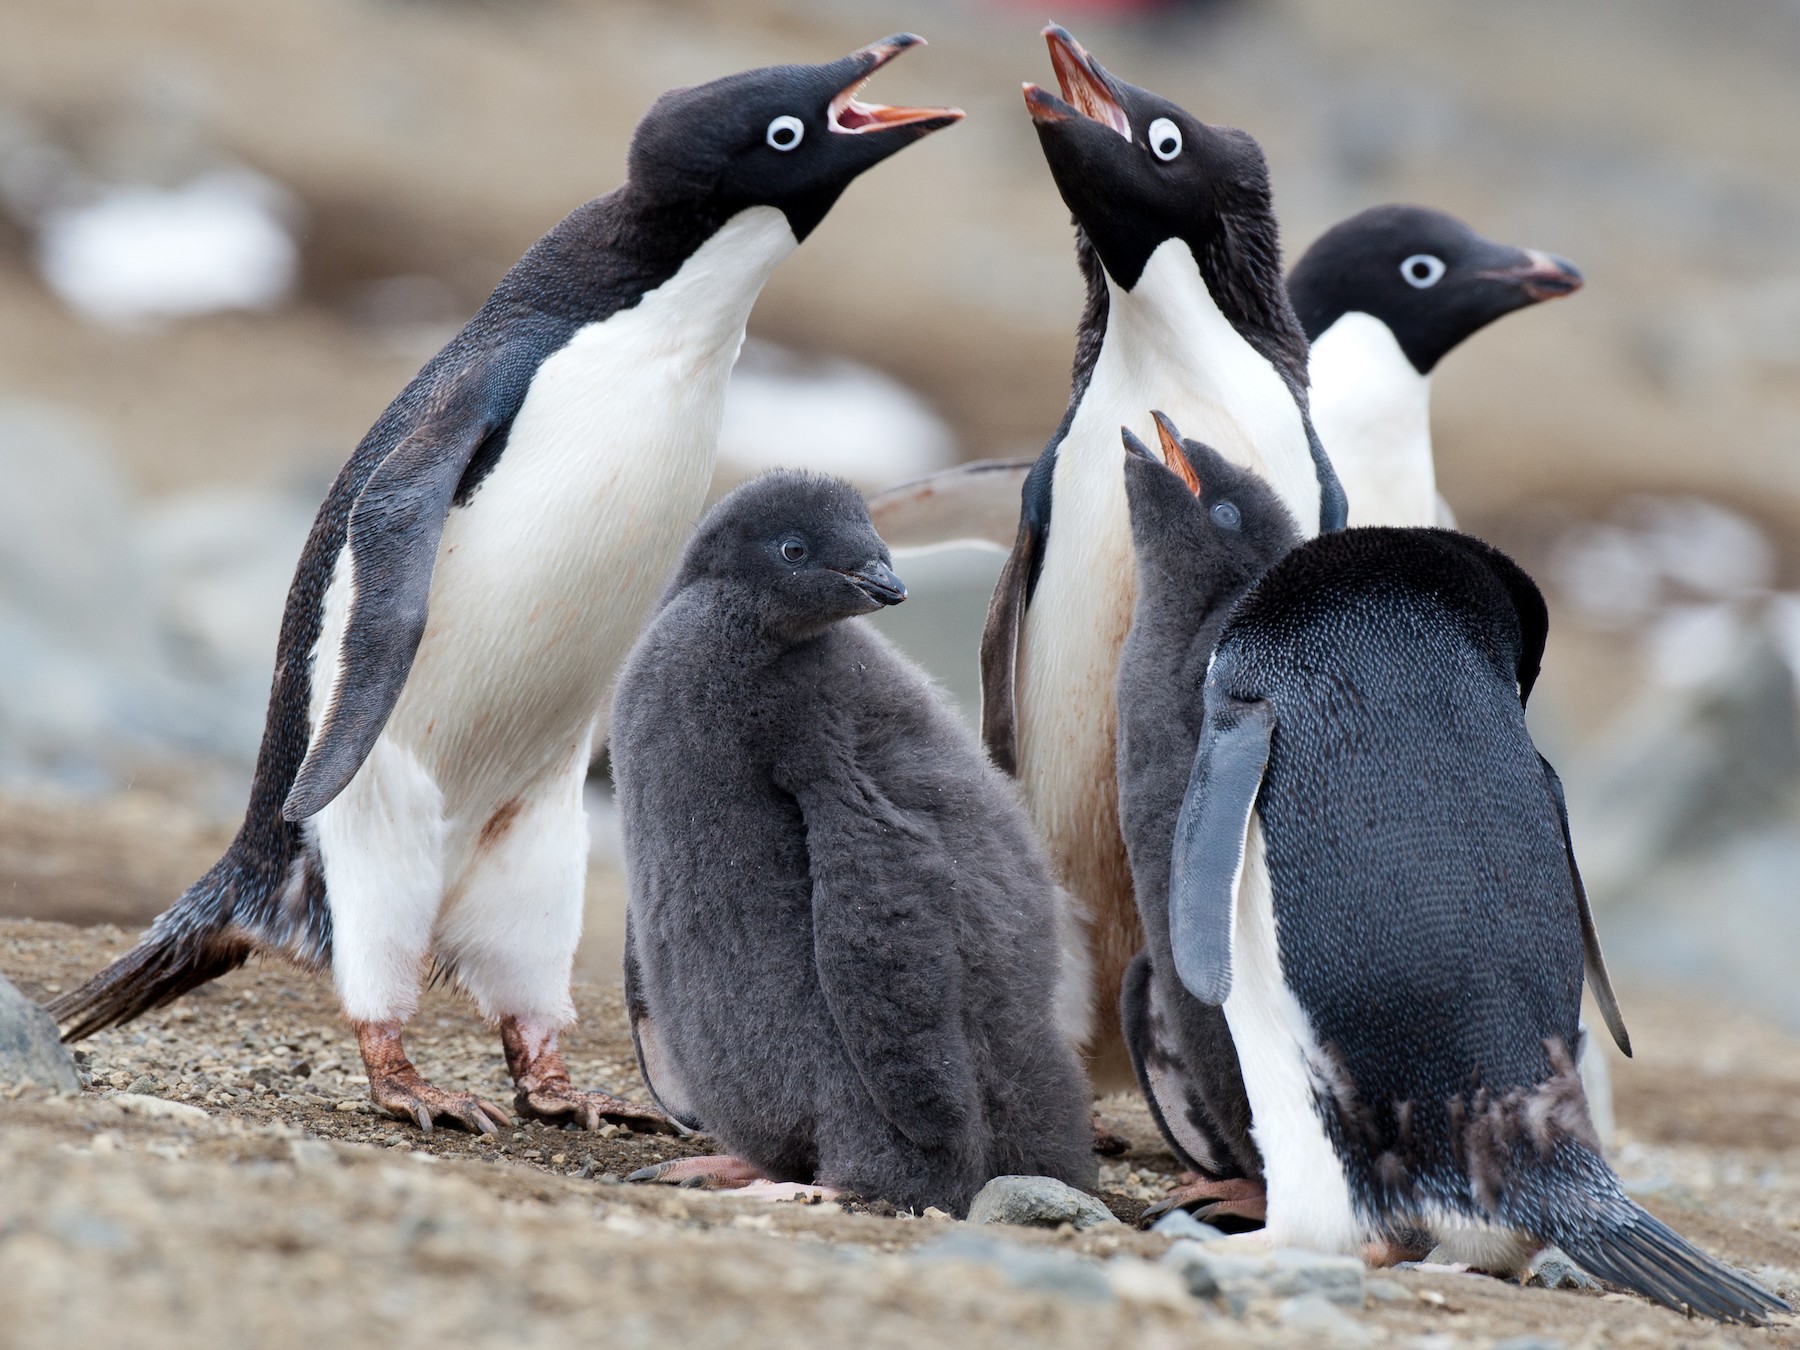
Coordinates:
1204 530
841 954
1372 876
473 581
1384 296
1185 311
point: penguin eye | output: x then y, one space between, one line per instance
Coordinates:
1422 270
793 550
785 132
1165 139
1226 515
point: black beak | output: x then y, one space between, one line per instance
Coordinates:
876 580
1133 446
1542 276
1087 90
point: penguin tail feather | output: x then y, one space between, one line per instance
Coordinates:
191 942
1632 1248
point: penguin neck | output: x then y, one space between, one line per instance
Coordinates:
614 251
1167 345
1372 409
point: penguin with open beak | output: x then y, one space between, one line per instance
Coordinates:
1186 311
473 582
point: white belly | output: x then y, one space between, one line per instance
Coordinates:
1169 348
1372 411
544 578
1309 1198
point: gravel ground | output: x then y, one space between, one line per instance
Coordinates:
223 1181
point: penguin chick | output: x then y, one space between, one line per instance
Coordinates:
1383 297
1372 874
1179 245
841 944
1204 530
474 580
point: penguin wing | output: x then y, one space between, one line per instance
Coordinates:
1211 840
1005 624
658 1070
887 963
973 505
1598 980
391 546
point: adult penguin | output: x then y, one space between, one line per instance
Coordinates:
473 582
1185 311
1383 297
1373 876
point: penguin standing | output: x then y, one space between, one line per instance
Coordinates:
1372 875
1384 296
841 958
1203 530
1185 311
474 580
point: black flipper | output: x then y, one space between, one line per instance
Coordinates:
972 505
1210 840
392 543
1001 634
1597 978
1334 504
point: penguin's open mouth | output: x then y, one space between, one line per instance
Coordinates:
1087 90
846 114
876 580
1542 276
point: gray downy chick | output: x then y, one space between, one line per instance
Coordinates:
841 953
1203 530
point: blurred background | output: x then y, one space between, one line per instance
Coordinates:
229 233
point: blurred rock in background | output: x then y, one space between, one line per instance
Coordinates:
229 234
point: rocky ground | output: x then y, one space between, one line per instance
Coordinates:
222 1180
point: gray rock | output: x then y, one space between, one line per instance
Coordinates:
1339 1279
1388 1291
1037 1269
1210 1272
1553 1270
1318 1316
1528 1343
29 1045
1178 1223
1037 1202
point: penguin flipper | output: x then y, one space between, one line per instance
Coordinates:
391 542
973 505
654 1066
1005 625
886 961
1595 962
1211 840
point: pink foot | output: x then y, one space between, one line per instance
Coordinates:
712 1172
545 1092
396 1087
1208 1200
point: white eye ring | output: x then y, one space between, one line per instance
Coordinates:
1165 139
786 131
1422 270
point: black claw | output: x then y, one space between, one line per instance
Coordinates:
650 1173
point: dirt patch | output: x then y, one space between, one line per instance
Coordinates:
224 1179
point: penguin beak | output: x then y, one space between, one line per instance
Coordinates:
1542 276
876 580
848 116
1174 453
1087 90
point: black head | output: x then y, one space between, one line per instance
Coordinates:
798 549
1430 278
1137 171
1201 526
791 137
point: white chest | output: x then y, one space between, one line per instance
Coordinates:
1372 411
544 578
1167 347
